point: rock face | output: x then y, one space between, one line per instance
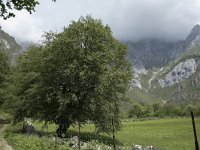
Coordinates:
138 70
74 141
136 83
194 36
25 44
157 53
10 46
180 72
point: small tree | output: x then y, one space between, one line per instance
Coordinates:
156 106
136 110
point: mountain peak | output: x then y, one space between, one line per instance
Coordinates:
196 28
194 33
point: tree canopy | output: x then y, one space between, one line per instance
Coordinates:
79 75
7 8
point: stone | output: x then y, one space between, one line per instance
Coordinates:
84 145
108 147
136 147
28 128
136 83
98 147
150 148
120 148
161 82
74 141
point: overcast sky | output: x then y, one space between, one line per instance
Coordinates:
129 19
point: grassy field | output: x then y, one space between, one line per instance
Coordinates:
164 134
173 134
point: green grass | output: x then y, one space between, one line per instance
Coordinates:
3 115
24 142
144 78
189 93
142 96
161 93
164 134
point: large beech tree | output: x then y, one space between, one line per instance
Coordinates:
79 75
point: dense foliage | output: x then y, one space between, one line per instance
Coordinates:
162 110
79 75
4 68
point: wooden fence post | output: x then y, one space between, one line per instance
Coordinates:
195 134
56 136
79 142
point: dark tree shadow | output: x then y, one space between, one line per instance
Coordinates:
86 136
89 136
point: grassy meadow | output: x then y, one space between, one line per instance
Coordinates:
164 134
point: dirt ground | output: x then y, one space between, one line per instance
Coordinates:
3 143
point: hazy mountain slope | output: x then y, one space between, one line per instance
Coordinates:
180 79
25 44
170 71
154 53
10 46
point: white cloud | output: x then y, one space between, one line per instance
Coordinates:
24 26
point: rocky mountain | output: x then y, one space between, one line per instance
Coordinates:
181 77
177 83
172 78
10 46
152 53
183 70
25 44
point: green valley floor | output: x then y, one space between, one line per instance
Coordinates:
163 134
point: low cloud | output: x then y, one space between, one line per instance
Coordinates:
23 27
129 19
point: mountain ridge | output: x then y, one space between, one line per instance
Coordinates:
177 81
153 53
10 46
